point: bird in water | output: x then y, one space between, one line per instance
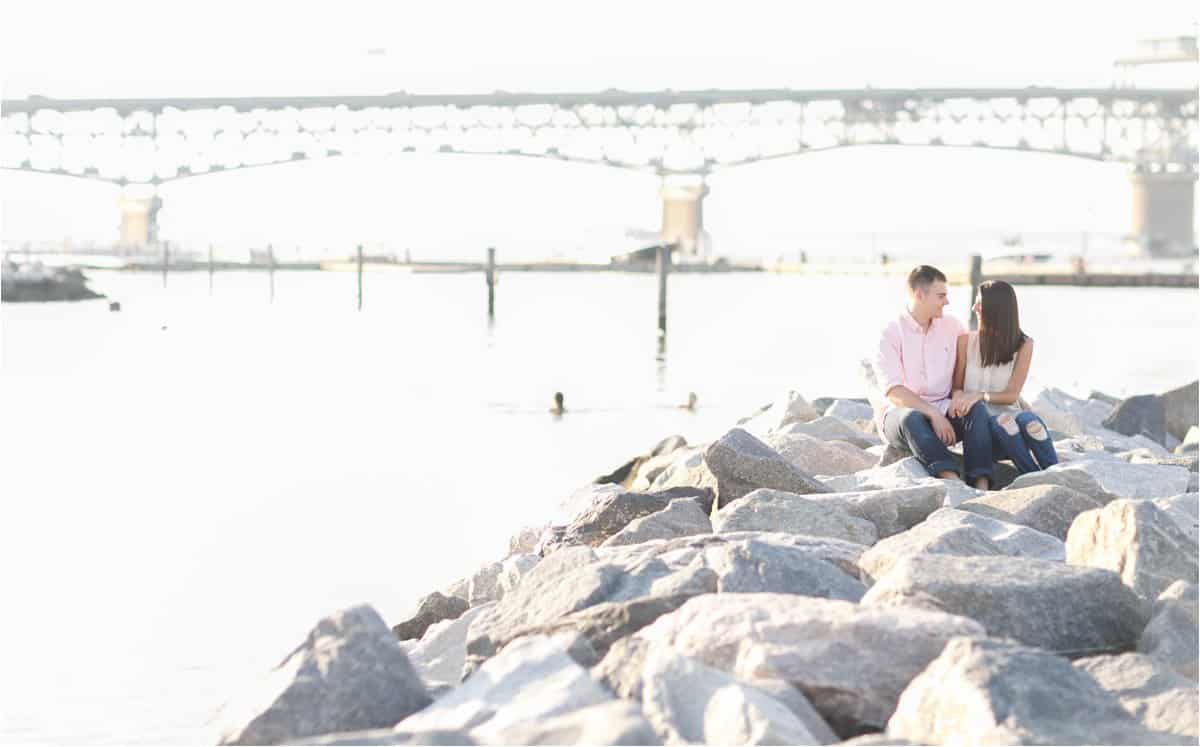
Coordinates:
691 402
558 408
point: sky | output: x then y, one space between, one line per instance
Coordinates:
451 203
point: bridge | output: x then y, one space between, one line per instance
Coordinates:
682 136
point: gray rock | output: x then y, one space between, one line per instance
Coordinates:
431 609
1081 481
626 474
613 723
681 517
688 702
484 585
1012 539
927 537
1139 415
687 470
1171 635
1061 608
790 408
1107 399
1153 693
817 457
777 510
851 662
795 701
349 674
1182 411
608 622
1046 508
829 428
442 651
389 737
513 569
621 668
850 410
741 464
532 679
1136 540
763 567
649 470
1131 480
525 540
1184 510
891 510
613 512
1068 414
981 691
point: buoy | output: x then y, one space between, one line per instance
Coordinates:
114 306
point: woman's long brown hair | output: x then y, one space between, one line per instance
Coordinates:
1000 335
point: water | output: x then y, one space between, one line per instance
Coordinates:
189 484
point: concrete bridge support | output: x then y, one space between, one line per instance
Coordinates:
139 220
683 212
1164 212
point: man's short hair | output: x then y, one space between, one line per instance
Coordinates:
924 276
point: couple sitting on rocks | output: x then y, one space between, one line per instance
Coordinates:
941 384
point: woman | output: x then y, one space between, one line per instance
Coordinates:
991 367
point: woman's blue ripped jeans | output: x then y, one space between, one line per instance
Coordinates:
1024 438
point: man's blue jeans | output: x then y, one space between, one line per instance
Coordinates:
1024 438
905 427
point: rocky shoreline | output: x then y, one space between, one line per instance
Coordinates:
794 582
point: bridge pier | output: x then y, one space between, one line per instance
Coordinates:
1164 212
683 212
139 219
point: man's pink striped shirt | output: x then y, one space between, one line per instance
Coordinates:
922 361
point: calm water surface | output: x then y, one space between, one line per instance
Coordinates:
191 483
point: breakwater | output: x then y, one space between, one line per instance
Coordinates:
794 582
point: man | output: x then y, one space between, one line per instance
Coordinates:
914 367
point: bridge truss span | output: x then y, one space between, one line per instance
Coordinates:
151 141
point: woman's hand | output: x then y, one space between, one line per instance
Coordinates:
962 402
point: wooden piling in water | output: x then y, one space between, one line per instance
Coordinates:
974 278
271 272
166 260
663 266
210 269
490 278
360 260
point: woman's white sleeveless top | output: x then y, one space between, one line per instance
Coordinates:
980 378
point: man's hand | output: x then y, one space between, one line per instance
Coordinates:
943 429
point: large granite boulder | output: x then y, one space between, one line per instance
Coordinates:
1047 508
817 457
612 512
776 510
904 473
381 737
686 470
349 674
1078 480
981 691
1071 415
851 662
1012 539
431 609
1130 480
612 723
850 410
1182 410
1136 540
532 679
681 517
626 474
1060 608
926 537
1139 415
1184 510
442 651
1157 696
741 463
753 565
688 702
1171 635
891 510
830 428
